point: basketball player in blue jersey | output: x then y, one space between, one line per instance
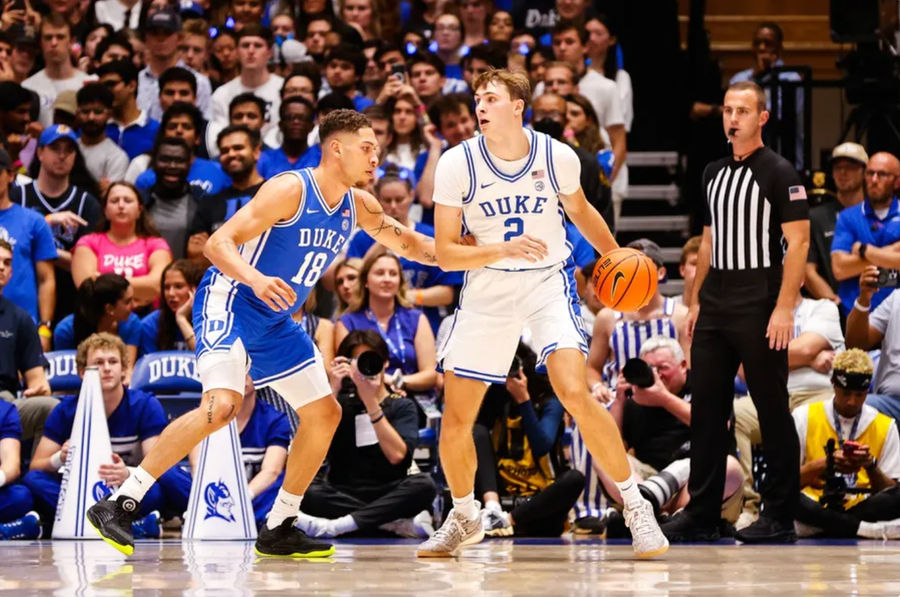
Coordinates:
266 259
511 189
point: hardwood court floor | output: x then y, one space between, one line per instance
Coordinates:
496 567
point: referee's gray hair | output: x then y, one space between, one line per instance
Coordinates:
655 343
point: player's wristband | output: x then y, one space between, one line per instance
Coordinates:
861 308
44 332
2 478
250 493
56 460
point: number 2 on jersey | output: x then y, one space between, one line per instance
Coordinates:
514 227
311 269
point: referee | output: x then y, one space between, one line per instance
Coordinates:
741 312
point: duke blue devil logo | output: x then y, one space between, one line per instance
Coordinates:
100 491
218 502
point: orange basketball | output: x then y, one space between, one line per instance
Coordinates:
624 279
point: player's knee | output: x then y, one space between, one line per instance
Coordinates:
219 407
573 398
326 412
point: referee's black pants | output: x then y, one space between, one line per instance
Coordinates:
735 307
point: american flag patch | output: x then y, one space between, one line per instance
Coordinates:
797 193
346 213
537 174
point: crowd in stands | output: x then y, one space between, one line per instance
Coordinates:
131 130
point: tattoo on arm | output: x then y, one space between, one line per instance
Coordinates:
209 411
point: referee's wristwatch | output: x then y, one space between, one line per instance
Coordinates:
862 250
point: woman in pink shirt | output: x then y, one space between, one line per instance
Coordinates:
127 243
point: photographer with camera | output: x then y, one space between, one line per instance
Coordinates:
653 411
867 456
368 485
878 329
869 234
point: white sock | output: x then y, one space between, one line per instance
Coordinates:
136 485
870 530
493 505
344 524
466 506
631 495
286 506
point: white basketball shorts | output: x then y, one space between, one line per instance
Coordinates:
495 306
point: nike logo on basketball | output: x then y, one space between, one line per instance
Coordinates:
484 186
616 279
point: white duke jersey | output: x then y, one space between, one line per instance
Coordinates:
502 200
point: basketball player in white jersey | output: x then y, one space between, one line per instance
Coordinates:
509 188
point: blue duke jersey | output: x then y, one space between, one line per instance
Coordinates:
298 250
228 316
502 200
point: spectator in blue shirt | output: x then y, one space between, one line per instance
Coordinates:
344 68
131 128
135 420
33 248
869 233
382 306
429 287
185 121
21 357
169 327
296 116
103 305
265 435
15 499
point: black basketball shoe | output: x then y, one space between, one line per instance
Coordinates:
112 521
287 541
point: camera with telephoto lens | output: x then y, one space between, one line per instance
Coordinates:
887 278
638 373
369 364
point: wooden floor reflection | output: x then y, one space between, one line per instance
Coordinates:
497 567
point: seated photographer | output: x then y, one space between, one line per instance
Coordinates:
866 456
653 411
878 329
368 485
516 433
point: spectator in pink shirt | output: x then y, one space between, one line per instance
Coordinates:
126 243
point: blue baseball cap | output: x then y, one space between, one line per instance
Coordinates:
56 132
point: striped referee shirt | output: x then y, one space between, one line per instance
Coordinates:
746 204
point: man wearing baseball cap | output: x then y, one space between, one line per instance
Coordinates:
848 163
70 211
163 33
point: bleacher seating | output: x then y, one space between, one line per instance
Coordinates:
172 376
